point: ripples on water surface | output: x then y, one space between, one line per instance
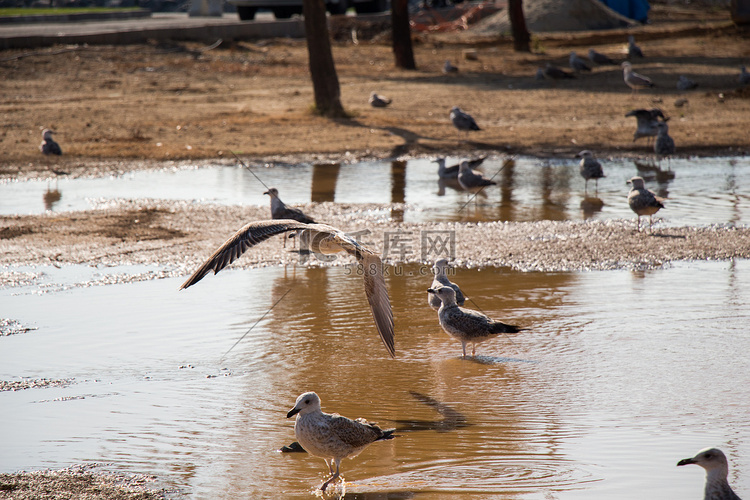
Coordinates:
700 190
620 375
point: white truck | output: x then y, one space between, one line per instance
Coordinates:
284 9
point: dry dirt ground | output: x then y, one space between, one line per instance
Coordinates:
122 108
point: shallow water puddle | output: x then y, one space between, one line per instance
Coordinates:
700 190
619 375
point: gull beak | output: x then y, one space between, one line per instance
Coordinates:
431 290
686 461
292 412
266 192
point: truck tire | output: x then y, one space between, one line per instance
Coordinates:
338 8
246 13
371 7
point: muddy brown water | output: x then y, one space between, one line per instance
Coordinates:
619 375
700 191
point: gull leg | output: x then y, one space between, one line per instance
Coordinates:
332 478
473 350
463 347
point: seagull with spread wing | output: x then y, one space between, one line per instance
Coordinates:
324 239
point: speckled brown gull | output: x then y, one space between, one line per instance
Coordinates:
470 179
642 201
466 325
590 168
48 145
379 101
634 80
441 279
577 64
599 58
324 239
633 49
332 437
715 463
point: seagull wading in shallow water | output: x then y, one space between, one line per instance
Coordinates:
464 324
441 279
717 469
331 436
589 168
324 239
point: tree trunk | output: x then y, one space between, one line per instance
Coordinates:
322 70
402 49
521 36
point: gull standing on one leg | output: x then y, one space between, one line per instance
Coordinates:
715 463
466 325
642 201
441 279
332 437
324 239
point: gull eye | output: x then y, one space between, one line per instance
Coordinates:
307 401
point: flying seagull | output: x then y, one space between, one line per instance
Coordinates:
717 469
332 437
324 239
466 325
48 145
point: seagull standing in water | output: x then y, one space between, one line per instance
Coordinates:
715 463
48 145
470 179
664 145
452 171
332 437
466 325
589 168
463 121
441 279
634 80
643 201
324 239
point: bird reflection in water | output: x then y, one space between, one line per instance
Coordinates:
651 171
590 206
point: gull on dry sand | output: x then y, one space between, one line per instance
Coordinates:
441 279
634 80
642 201
331 436
324 239
744 77
552 71
715 463
664 145
470 179
463 121
449 68
466 325
599 58
633 49
577 64
379 101
589 168
685 83
48 145
452 171
647 121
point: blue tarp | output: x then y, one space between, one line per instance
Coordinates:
634 9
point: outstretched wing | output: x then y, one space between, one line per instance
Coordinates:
250 235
